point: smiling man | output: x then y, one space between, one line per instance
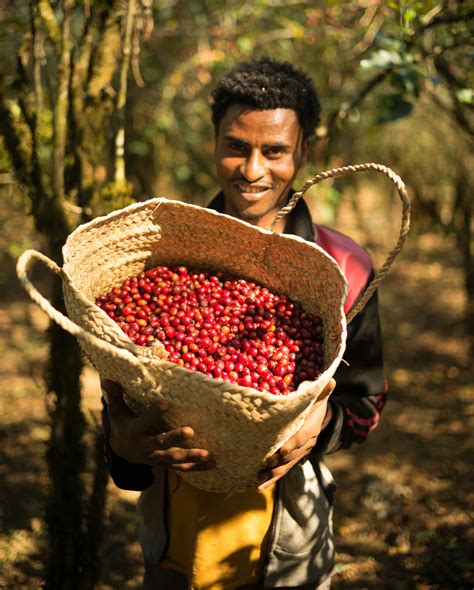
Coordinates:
278 535
257 156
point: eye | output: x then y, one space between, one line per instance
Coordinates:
274 151
236 147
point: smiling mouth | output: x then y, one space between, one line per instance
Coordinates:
251 189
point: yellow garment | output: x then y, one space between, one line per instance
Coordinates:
216 540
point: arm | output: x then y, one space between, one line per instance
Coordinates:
301 444
361 390
135 444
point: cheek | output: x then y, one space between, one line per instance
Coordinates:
285 171
225 167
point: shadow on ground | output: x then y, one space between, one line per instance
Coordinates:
402 510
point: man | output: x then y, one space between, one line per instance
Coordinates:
278 535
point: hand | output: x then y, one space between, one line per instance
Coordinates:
147 439
300 444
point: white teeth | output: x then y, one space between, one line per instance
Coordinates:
251 189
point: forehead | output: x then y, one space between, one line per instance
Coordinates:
275 125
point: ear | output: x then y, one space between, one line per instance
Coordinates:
305 148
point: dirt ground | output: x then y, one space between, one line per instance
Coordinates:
404 507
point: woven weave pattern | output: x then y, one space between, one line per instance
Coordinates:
239 426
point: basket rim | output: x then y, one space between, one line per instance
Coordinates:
147 360
163 200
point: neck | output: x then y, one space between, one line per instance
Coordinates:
264 221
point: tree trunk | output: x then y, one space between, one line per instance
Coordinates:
66 458
465 238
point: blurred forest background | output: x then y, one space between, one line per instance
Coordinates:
104 102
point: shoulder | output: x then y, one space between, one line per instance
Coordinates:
353 260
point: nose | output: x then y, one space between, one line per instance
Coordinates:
254 166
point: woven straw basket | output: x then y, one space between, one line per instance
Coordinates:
240 426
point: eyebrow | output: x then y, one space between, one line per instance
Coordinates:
246 143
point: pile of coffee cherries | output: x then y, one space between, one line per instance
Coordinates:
226 327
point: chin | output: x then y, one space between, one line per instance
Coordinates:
250 217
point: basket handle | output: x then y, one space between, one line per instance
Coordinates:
404 227
126 353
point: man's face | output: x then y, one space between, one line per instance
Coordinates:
257 154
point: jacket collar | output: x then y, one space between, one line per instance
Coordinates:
299 221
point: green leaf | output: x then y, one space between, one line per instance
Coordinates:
183 172
406 80
392 107
137 147
245 44
409 15
393 43
381 59
465 95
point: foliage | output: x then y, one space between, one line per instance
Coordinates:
395 81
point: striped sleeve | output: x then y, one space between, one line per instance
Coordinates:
361 390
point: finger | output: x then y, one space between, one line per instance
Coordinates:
269 474
330 386
172 438
264 475
287 463
178 455
273 461
309 430
275 474
184 467
280 459
294 445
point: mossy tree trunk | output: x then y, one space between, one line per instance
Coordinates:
70 59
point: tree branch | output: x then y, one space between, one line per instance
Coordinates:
119 163
46 213
454 85
448 19
38 93
62 103
342 112
29 115
21 164
46 13
81 65
37 55
107 53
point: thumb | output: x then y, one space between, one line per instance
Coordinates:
331 384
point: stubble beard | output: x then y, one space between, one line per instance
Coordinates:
246 215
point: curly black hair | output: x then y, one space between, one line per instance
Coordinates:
268 84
